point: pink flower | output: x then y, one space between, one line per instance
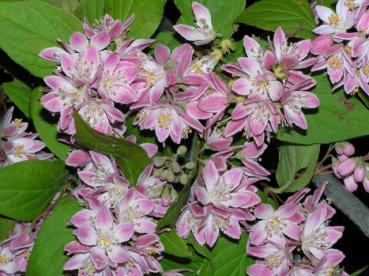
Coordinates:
203 33
257 81
133 210
116 78
225 190
11 128
255 117
293 103
275 224
7 264
316 236
167 121
101 238
249 157
115 28
334 22
275 260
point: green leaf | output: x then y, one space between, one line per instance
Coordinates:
46 127
26 188
48 256
265 199
230 257
294 16
200 249
6 227
360 271
171 216
27 27
338 118
72 6
223 13
206 268
131 158
193 264
167 38
148 13
174 245
19 94
296 166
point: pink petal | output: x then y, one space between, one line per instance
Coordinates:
78 41
162 53
100 41
104 219
86 235
118 254
123 232
99 258
242 86
264 211
210 175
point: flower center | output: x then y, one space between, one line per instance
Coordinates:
350 4
335 62
19 151
366 70
106 240
334 19
274 226
164 120
273 261
279 72
4 259
18 122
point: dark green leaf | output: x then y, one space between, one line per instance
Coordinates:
19 94
27 27
148 13
46 127
131 158
6 227
167 38
142 136
296 166
294 16
26 188
360 271
223 13
174 245
48 258
230 257
338 118
193 264
200 249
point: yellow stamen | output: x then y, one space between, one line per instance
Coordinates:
164 120
335 62
334 19
18 122
19 151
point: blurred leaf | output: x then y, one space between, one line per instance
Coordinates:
19 94
47 257
27 27
131 158
45 127
338 118
206 268
174 245
6 227
294 16
223 13
360 271
296 166
148 13
26 188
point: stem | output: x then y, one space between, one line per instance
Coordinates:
326 156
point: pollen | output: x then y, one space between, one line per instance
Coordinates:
18 122
279 72
150 76
4 259
334 19
105 241
350 4
366 70
164 120
196 68
19 151
335 62
273 261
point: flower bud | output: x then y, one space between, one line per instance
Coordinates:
359 172
350 183
160 161
176 168
344 148
170 176
190 165
346 167
184 179
366 182
181 151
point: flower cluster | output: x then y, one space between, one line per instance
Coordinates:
221 199
16 144
342 45
16 249
268 80
117 233
295 239
353 170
